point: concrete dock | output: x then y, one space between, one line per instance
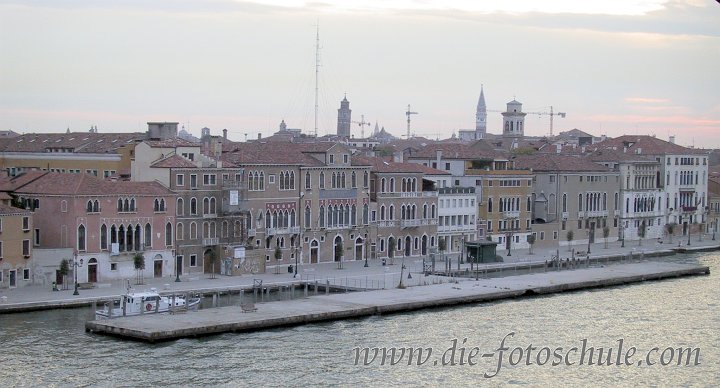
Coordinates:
154 328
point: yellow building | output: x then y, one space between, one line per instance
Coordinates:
16 241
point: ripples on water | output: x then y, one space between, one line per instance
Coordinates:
51 349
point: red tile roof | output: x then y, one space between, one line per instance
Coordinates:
174 161
275 153
6 210
477 150
55 183
554 162
78 142
171 143
386 165
648 145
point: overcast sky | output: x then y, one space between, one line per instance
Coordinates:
614 66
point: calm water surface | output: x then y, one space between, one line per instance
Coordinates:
51 348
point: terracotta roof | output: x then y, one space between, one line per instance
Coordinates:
477 150
78 142
271 153
173 161
13 183
648 145
171 143
55 183
614 155
554 163
6 210
386 165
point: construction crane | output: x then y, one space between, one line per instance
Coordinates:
362 123
551 114
408 113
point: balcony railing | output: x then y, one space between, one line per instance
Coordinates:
289 230
211 241
511 214
457 228
565 215
689 208
388 223
418 222
597 213
251 232
429 193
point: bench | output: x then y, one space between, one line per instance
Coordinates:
248 306
86 286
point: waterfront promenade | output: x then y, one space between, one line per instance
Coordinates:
353 275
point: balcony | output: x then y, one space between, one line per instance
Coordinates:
597 213
689 209
511 214
565 215
251 232
211 241
429 193
276 231
418 222
209 215
456 228
388 223
410 195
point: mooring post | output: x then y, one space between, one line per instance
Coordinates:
316 287
306 289
327 286
215 299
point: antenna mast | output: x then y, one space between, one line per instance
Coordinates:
317 69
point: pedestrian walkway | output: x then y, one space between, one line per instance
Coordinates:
353 274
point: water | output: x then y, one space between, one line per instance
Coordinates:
51 348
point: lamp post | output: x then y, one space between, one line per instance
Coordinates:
177 268
75 271
298 246
588 249
622 234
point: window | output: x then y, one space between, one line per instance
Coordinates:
1 255
168 234
36 237
26 274
332 159
322 180
193 260
180 180
80 238
26 223
307 181
447 166
209 179
113 266
193 181
346 158
26 248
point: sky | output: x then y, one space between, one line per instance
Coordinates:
614 66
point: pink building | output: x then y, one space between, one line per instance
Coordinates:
104 223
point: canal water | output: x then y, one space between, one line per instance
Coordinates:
50 348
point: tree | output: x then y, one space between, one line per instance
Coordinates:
64 271
531 242
278 257
570 235
670 228
139 264
642 230
606 234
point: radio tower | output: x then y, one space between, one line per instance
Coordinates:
317 70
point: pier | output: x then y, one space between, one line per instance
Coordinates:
155 328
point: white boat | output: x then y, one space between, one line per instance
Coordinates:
146 302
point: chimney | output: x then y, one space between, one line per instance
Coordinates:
672 139
398 156
225 133
259 135
438 155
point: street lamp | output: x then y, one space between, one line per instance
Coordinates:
588 250
298 246
178 262
75 271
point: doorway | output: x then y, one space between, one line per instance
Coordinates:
92 270
13 278
314 251
157 268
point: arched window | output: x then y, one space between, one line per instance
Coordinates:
89 207
366 179
382 213
168 234
307 217
178 232
365 214
490 205
119 205
321 180
103 237
580 202
353 180
213 205
308 183
193 230
96 206
321 216
206 205
564 202
383 188
333 181
391 212
268 219
148 235
81 238
391 189
432 211
292 180
156 205
342 180
193 206
225 229
261 182
180 207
